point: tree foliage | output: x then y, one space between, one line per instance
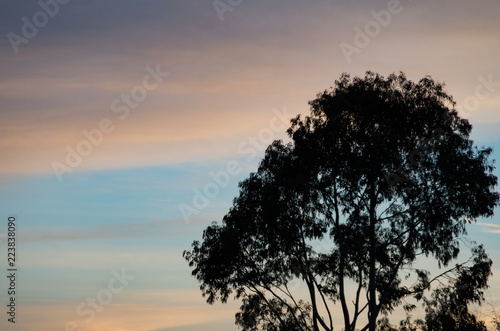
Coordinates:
382 171
447 310
448 307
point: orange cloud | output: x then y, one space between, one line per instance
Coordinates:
40 315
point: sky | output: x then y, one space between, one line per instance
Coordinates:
125 127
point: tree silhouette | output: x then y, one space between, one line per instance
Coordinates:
381 172
448 308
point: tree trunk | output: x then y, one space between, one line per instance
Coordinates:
372 306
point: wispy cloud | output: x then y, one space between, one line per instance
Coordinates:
225 77
490 228
152 229
38 315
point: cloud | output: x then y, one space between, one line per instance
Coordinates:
226 77
489 228
38 315
147 229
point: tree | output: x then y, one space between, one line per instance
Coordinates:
448 308
381 172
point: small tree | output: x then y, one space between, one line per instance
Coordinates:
384 172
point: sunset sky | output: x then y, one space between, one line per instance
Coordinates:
125 127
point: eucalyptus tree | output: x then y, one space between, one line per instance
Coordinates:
382 172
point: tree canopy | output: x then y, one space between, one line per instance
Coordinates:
381 172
